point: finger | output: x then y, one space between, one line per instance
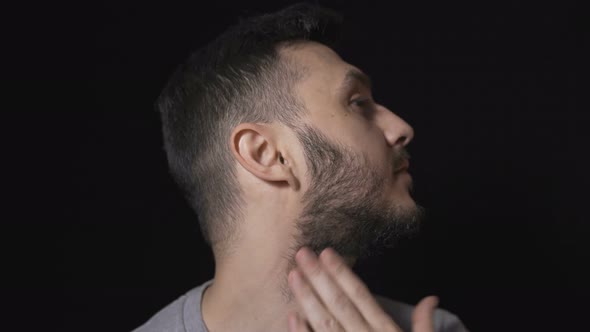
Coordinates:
331 295
357 291
422 317
317 316
296 324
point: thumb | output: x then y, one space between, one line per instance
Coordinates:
422 317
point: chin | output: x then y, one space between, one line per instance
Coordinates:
404 200
407 203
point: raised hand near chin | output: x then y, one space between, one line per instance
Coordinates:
333 298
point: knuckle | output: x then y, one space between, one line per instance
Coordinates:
305 292
302 292
341 301
329 324
339 267
315 270
361 292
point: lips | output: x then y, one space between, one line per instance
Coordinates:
404 166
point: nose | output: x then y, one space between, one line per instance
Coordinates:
396 130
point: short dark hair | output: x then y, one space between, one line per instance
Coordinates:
238 77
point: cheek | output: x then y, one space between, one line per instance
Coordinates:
366 133
373 143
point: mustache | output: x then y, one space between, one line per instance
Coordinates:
400 158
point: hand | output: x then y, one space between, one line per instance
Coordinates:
333 298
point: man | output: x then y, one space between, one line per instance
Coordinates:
284 155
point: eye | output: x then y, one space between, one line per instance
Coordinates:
364 103
360 102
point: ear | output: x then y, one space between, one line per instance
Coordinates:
254 147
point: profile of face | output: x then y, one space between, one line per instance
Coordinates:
358 195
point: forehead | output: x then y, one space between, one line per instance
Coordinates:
325 88
326 79
320 63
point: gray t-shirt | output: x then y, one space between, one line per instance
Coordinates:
184 315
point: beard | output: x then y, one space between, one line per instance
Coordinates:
345 207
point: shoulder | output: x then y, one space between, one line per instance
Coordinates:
401 313
182 315
169 319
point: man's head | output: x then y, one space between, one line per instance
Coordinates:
267 121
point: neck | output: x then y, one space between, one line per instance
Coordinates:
249 292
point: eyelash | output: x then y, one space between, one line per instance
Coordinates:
361 102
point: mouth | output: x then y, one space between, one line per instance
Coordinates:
403 167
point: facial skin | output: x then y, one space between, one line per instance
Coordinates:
353 206
355 201
332 183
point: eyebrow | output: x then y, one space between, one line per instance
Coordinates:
353 76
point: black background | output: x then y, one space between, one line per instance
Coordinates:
499 158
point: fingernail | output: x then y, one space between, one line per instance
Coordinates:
436 301
327 253
306 255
